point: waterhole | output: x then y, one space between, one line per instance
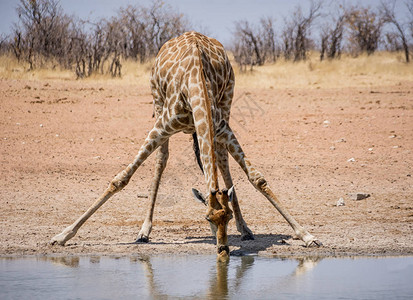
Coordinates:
201 277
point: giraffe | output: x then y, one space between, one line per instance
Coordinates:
192 83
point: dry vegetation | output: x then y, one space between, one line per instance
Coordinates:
381 68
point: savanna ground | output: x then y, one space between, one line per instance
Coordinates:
317 131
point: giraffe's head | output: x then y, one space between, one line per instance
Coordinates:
218 215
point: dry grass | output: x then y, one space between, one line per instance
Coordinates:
380 69
133 72
10 68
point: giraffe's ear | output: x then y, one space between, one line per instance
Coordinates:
230 194
198 196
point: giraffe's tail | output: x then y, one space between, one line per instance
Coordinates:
197 152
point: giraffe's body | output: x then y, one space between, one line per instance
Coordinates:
192 85
192 82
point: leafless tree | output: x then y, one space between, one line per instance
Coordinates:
400 36
4 43
392 42
296 33
409 5
42 32
248 45
365 26
146 29
255 44
268 36
332 36
133 26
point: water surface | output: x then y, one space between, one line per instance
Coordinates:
171 276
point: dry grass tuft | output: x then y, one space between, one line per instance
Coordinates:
380 69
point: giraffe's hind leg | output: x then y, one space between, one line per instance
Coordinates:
161 160
156 137
260 183
246 233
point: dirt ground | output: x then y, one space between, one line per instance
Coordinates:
63 141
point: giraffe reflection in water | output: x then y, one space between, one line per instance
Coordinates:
220 285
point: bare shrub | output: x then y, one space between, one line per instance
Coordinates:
254 44
297 30
45 35
365 27
399 38
146 29
42 35
332 36
4 44
248 45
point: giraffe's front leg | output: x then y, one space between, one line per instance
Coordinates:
161 160
156 137
242 227
260 183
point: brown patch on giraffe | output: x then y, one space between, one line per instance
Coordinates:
163 72
153 135
168 128
174 56
191 64
196 102
216 43
224 136
149 147
185 120
214 56
201 129
182 43
205 148
198 114
168 66
175 124
194 74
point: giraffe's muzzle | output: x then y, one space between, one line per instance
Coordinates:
223 248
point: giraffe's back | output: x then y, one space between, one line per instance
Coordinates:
175 61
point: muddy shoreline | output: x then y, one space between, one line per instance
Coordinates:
63 141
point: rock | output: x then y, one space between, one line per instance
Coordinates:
351 159
358 196
340 202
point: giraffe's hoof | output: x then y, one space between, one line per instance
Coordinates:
247 237
63 237
142 239
314 243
